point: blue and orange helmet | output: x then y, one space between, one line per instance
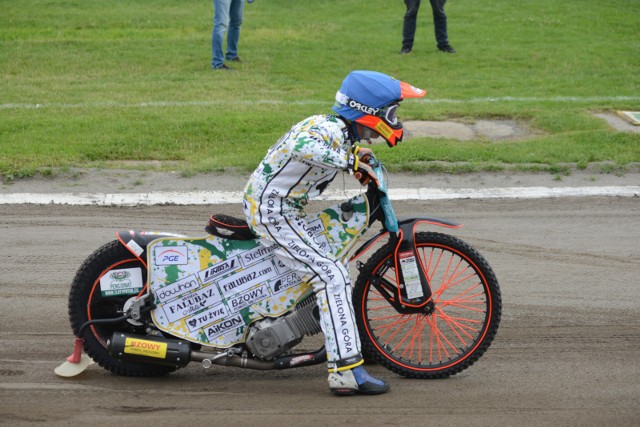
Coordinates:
371 99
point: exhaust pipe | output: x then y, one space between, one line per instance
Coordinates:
283 362
150 349
178 353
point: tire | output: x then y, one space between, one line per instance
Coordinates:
439 341
86 302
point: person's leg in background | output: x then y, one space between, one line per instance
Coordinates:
220 25
235 23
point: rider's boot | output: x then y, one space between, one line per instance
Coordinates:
356 380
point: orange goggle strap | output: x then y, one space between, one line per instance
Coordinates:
393 136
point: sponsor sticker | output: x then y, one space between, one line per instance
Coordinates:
145 348
250 297
176 289
323 242
258 254
224 326
218 269
191 303
383 129
135 247
300 359
171 255
212 315
409 267
284 282
125 281
247 278
315 227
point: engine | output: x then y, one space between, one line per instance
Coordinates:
270 337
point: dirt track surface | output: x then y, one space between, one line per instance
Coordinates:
566 353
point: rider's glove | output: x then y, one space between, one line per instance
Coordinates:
358 167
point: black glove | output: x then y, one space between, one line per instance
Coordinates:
358 167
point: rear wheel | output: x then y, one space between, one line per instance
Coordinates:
449 334
87 301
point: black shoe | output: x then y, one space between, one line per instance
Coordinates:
405 51
224 67
236 59
447 48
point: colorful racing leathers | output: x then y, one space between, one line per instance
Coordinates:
297 168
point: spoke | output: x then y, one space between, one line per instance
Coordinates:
401 320
442 340
434 341
448 282
457 327
392 316
435 266
400 323
412 332
467 302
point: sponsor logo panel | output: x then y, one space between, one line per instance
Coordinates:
191 303
146 348
250 297
255 255
323 242
247 278
126 281
315 227
212 315
226 325
218 269
171 255
176 289
284 282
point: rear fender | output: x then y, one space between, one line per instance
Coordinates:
136 242
408 228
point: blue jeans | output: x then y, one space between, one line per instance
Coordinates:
227 16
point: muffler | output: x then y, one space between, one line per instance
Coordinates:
149 349
172 352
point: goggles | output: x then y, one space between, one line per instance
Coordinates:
388 114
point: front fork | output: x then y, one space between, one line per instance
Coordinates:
411 291
413 284
414 289
394 294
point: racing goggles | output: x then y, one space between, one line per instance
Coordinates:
388 114
385 122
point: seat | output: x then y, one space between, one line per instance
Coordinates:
229 227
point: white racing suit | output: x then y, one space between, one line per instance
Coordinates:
297 168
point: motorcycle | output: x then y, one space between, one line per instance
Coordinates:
427 304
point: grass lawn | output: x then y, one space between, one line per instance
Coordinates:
98 83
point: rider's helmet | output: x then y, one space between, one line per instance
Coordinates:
371 99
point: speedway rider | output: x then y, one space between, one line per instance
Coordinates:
299 167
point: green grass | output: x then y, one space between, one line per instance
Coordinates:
98 83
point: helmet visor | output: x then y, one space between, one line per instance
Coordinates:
380 126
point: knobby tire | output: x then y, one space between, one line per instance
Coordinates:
435 343
86 301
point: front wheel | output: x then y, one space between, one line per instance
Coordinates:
452 332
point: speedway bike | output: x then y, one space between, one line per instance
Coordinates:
427 304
